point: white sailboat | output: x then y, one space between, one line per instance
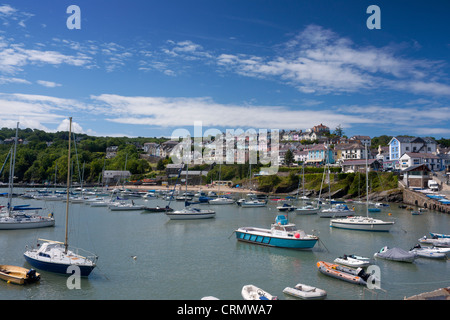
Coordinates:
308 208
360 222
54 256
189 212
17 217
221 199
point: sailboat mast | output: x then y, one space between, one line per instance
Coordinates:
367 181
11 172
66 244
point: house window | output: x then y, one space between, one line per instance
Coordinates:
407 148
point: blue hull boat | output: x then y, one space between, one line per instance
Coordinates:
282 234
58 268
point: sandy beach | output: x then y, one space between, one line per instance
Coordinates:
206 188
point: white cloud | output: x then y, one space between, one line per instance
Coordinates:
48 84
317 60
179 112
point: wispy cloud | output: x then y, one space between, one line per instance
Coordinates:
317 60
48 84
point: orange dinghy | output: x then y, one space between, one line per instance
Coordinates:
356 276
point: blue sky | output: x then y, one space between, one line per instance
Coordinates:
146 68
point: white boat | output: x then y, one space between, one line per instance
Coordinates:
338 210
437 242
55 256
395 254
305 291
251 292
18 218
308 209
430 252
124 206
352 262
221 200
360 222
252 203
191 213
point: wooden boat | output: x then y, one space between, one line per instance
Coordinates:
251 292
351 262
356 276
304 291
18 275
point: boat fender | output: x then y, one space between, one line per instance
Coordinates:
297 235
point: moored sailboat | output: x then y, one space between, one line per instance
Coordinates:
55 256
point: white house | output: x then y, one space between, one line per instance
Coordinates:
399 145
408 159
365 140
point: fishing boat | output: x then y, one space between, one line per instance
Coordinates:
55 256
305 291
430 252
395 254
18 275
282 234
351 261
251 292
360 222
17 217
355 276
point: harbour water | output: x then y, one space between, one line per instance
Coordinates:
146 256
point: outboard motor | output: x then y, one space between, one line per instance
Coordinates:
31 276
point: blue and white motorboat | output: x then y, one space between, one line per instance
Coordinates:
281 234
439 235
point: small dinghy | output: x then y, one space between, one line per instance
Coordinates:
395 254
18 275
158 209
251 292
356 276
304 291
436 241
430 252
352 261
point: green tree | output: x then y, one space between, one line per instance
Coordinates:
289 157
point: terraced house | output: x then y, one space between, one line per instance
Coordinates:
400 145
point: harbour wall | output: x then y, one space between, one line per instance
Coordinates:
414 198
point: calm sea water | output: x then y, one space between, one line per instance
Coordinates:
187 260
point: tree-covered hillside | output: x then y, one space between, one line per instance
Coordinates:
39 153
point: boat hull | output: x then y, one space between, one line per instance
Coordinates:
362 224
190 216
332 270
263 237
24 224
303 291
57 267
